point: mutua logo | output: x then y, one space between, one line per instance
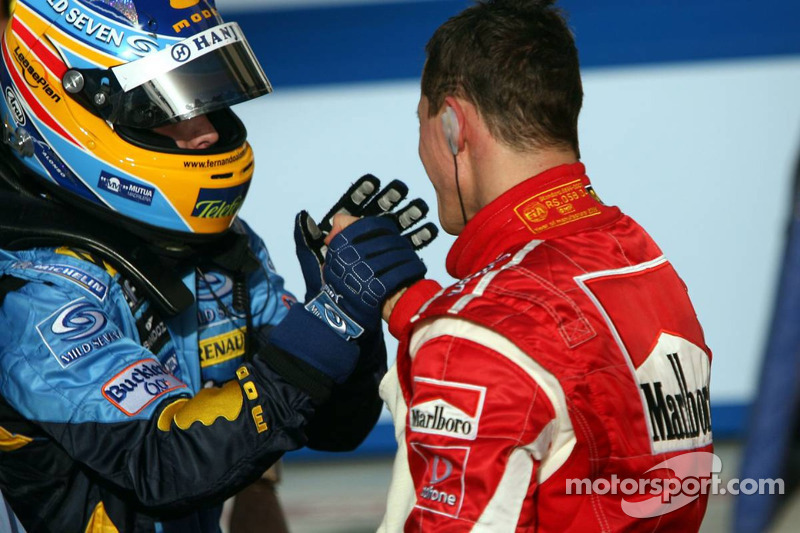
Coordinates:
446 408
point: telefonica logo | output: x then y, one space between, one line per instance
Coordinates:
219 203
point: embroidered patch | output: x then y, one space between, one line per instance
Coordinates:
442 485
557 206
446 408
139 385
80 277
75 331
221 348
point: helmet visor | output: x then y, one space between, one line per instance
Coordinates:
211 70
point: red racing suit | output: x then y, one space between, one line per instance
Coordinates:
561 385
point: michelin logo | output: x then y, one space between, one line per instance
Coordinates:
76 275
75 331
139 385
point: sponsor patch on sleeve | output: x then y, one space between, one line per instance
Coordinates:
76 330
80 277
446 408
441 489
139 385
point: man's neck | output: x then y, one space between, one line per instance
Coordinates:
505 168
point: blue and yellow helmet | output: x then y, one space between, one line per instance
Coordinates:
85 82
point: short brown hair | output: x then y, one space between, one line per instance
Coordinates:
517 62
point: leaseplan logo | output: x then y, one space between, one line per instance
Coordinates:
446 408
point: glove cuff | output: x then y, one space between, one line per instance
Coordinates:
307 338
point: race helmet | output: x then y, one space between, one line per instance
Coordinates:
86 82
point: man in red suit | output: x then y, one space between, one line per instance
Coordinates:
562 384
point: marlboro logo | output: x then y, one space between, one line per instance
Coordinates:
446 408
674 386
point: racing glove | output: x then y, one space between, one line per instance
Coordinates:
363 198
366 263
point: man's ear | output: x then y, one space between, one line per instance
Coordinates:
452 124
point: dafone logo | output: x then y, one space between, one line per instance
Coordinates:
443 471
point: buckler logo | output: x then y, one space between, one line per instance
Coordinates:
139 385
446 408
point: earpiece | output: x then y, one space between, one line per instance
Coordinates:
450 125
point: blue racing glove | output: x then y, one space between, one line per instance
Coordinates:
347 284
363 198
366 263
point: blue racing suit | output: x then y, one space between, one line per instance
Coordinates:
114 418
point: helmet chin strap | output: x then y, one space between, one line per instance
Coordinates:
458 188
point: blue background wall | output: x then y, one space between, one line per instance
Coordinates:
691 124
